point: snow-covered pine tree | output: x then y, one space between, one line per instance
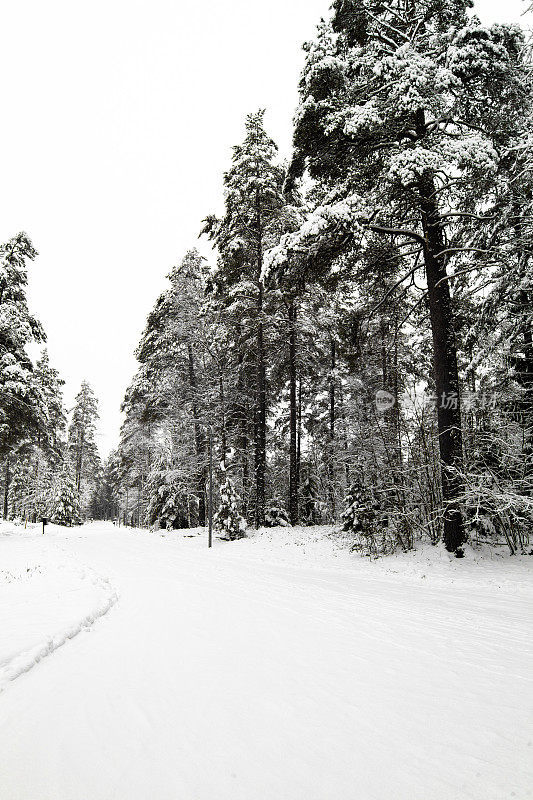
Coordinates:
20 491
311 507
360 519
81 444
47 450
358 516
250 225
20 407
53 423
499 356
168 503
105 500
172 354
65 505
228 521
405 107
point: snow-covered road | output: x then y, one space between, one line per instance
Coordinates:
279 669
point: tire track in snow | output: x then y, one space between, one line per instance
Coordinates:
24 661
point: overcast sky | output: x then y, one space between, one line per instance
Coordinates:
117 122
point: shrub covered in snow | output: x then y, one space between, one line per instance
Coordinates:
363 519
276 515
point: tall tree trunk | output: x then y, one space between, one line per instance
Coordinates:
396 393
199 442
444 363
524 366
525 303
260 443
293 464
260 437
242 423
344 429
332 415
79 459
36 478
299 435
223 441
7 480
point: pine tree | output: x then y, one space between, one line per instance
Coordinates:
19 495
172 355
360 520
228 521
82 447
358 515
168 505
53 420
65 505
404 108
311 498
20 407
105 499
250 225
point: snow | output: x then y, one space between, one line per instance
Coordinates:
35 583
277 667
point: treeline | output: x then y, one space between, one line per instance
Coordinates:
49 469
362 349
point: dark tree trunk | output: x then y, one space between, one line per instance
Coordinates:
525 302
444 366
396 392
7 481
242 424
344 430
299 436
333 365
223 441
293 460
260 427
199 443
332 415
79 458
524 365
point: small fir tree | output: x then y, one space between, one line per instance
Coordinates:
359 516
310 499
228 521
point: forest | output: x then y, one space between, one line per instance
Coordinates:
358 352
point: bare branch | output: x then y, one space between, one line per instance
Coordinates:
399 232
466 214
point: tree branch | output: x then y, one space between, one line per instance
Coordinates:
399 232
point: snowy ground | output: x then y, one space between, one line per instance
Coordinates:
280 667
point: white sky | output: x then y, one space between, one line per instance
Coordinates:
117 122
